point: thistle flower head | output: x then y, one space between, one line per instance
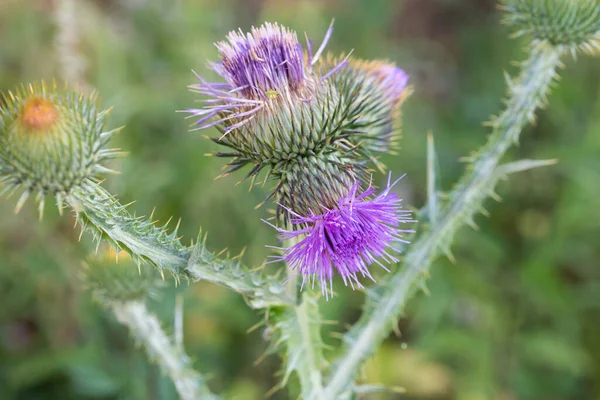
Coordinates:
375 91
273 106
359 231
262 63
261 69
391 80
50 141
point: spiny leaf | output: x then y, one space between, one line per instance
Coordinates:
296 334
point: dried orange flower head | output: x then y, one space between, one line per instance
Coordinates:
38 114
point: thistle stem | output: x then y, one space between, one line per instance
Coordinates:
300 328
97 208
72 65
311 378
383 308
146 328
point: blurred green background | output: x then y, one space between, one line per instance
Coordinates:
516 317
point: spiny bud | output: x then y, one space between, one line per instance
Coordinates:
274 106
113 276
573 24
374 91
51 140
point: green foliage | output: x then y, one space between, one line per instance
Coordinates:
515 317
297 336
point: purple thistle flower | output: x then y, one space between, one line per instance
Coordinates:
377 89
392 80
346 239
259 68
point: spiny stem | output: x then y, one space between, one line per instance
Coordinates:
146 328
386 303
97 208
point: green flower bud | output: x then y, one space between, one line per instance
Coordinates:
574 25
374 92
109 280
51 140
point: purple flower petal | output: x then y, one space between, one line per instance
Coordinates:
347 239
259 67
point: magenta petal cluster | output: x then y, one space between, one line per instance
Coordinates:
392 80
360 231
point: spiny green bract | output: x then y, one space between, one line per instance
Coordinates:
287 130
51 140
571 23
313 182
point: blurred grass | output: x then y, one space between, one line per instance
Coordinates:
517 316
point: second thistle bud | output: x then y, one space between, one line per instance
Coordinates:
374 92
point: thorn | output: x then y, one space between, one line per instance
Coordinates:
450 256
495 196
21 201
127 205
396 330
255 326
177 226
472 224
41 203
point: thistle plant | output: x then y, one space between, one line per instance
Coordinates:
311 125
